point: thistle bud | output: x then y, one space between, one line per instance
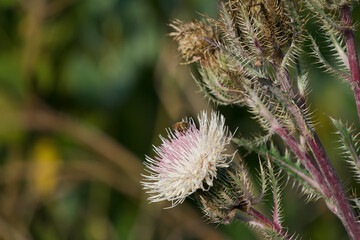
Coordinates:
230 193
263 27
222 83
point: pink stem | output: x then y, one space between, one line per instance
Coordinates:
346 20
345 211
290 140
267 223
332 186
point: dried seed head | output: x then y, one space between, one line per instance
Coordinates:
188 160
193 40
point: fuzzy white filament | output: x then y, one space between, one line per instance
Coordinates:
187 161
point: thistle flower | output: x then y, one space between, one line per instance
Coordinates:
188 160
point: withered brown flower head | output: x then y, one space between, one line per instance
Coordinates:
193 40
199 42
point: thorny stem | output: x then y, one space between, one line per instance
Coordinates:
333 187
345 211
304 156
345 13
267 223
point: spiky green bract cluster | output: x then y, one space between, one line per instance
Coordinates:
197 42
259 29
220 82
232 190
232 198
260 36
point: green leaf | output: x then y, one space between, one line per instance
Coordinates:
294 169
349 146
325 64
325 19
276 191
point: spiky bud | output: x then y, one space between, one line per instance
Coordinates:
197 42
222 83
264 28
231 192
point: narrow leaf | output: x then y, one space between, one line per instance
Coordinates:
349 145
309 187
324 63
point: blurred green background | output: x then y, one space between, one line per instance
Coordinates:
86 86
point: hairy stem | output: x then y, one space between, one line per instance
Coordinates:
346 20
305 158
344 209
332 187
290 140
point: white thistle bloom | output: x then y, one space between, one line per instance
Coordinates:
188 160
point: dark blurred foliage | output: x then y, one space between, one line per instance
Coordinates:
86 86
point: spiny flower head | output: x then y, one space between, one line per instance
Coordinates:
193 40
198 42
263 27
188 160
